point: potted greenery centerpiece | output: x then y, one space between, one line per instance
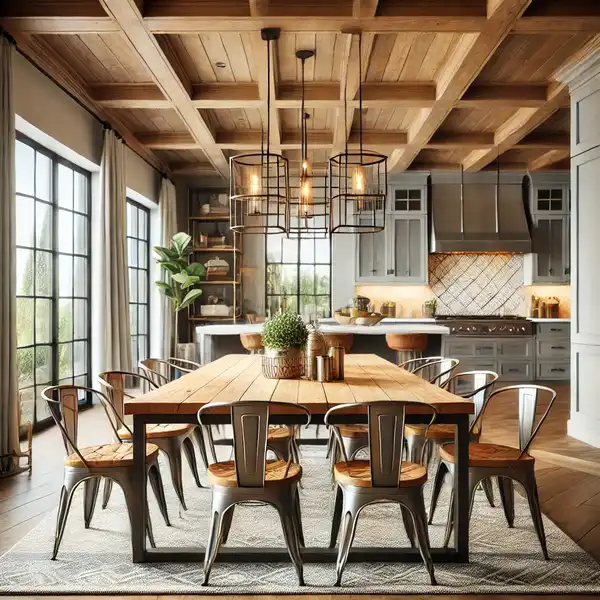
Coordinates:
182 277
284 337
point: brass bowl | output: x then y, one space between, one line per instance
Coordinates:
342 319
368 321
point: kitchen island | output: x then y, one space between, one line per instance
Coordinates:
215 341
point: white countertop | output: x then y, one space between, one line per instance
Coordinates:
540 320
380 329
386 320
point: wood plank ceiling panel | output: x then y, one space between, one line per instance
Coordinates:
475 119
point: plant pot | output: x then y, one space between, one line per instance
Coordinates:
285 363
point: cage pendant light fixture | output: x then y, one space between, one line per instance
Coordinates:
259 182
309 214
357 181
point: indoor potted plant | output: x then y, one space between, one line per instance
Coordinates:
284 338
182 278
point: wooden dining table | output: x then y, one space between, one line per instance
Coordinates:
239 377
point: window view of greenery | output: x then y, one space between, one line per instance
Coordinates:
298 276
52 264
138 259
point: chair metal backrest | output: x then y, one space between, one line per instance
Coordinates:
250 420
121 385
386 434
156 369
63 404
529 401
435 369
479 390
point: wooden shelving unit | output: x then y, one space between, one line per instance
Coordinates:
217 225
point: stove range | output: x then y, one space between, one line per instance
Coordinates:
496 325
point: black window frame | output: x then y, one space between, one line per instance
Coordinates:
135 336
55 297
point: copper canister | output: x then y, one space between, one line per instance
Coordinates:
323 368
336 355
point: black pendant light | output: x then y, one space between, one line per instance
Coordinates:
357 181
309 215
259 182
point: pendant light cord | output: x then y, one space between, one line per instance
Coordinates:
268 97
346 113
360 104
303 147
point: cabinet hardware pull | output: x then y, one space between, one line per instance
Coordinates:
557 348
557 370
513 370
555 329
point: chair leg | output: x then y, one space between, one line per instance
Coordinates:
450 519
337 516
349 519
159 492
330 443
90 495
64 505
507 496
414 447
108 484
417 510
201 445
290 535
298 516
438 482
214 540
188 449
530 485
488 489
408 525
174 455
227 518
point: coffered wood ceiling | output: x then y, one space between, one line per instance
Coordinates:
446 82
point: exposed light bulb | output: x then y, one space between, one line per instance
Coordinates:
305 208
255 191
358 186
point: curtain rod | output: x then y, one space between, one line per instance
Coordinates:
105 124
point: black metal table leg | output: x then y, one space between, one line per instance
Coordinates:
461 485
138 521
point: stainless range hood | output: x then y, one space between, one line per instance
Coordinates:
479 216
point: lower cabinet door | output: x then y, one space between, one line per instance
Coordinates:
516 371
553 370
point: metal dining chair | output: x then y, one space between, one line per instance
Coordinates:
170 438
88 465
161 372
251 477
506 463
382 478
436 369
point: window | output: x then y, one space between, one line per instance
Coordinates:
138 259
407 199
53 285
298 276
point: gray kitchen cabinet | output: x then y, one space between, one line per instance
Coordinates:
553 351
372 256
550 260
408 249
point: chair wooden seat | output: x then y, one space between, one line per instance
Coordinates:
354 431
160 430
223 473
435 432
107 455
277 432
358 473
488 455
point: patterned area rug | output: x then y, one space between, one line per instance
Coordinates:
98 560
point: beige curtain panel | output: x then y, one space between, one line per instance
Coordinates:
113 301
9 427
168 220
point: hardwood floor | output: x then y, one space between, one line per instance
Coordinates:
568 473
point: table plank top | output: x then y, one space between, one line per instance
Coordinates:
239 377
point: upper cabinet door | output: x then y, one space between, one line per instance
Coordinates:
371 256
551 200
550 245
408 249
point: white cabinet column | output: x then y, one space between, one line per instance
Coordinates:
583 80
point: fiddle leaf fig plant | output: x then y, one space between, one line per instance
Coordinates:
182 278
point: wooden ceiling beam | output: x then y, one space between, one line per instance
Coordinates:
499 94
316 95
461 69
544 141
126 13
226 95
558 25
129 95
549 158
191 168
172 140
450 141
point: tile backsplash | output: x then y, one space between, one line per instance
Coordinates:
477 284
